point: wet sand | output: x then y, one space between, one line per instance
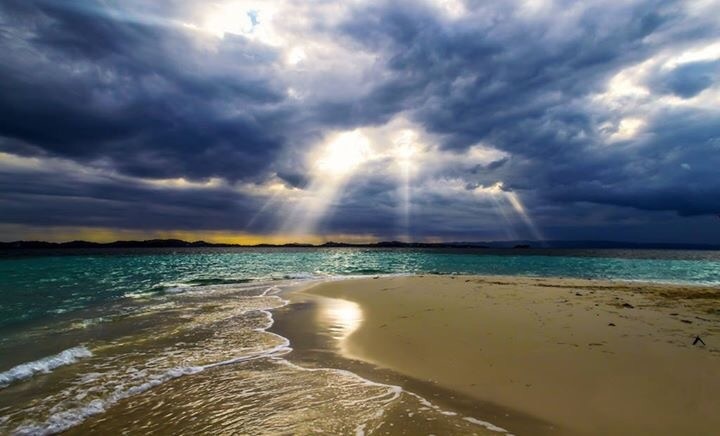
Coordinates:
533 355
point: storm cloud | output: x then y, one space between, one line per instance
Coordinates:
479 120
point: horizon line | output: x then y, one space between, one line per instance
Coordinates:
514 243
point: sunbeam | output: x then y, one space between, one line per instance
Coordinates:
333 165
405 149
500 208
522 213
519 208
499 195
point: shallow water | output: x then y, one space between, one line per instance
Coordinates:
198 362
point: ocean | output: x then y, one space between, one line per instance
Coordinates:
168 340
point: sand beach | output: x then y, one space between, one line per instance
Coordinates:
532 355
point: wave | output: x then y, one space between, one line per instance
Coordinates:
43 366
200 284
217 281
66 419
62 421
185 285
487 425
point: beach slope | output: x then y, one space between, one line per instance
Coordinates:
591 357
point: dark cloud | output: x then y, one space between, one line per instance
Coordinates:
525 90
690 79
136 97
50 198
139 97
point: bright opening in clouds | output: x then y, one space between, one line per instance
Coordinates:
342 155
424 120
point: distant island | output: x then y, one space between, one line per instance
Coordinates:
521 244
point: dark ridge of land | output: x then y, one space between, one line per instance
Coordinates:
522 244
176 243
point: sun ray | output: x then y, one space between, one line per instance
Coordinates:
333 166
500 208
405 149
499 195
523 214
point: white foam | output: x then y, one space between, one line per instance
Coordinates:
222 289
276 351
66 419
392 393
360 429
88 322
487 425
43 366
430 406
271 291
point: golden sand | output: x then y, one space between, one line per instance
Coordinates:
590 357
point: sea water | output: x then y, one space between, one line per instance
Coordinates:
169 340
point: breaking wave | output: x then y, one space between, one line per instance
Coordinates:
43 366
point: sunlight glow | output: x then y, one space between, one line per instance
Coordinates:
182 183
452 8
296 55
251 19
228 18
397 149
332 164
343 154
628 128
340 317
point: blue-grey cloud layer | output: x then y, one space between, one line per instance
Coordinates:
135 95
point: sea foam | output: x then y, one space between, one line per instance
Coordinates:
63 420
42 366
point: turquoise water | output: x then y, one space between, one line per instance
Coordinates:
39 287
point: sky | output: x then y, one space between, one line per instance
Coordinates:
439 120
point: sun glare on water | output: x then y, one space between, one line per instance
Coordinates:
340 317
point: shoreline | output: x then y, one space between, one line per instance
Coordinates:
387 409
315 345
327 330
564 368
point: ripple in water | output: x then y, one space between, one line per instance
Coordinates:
201 362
